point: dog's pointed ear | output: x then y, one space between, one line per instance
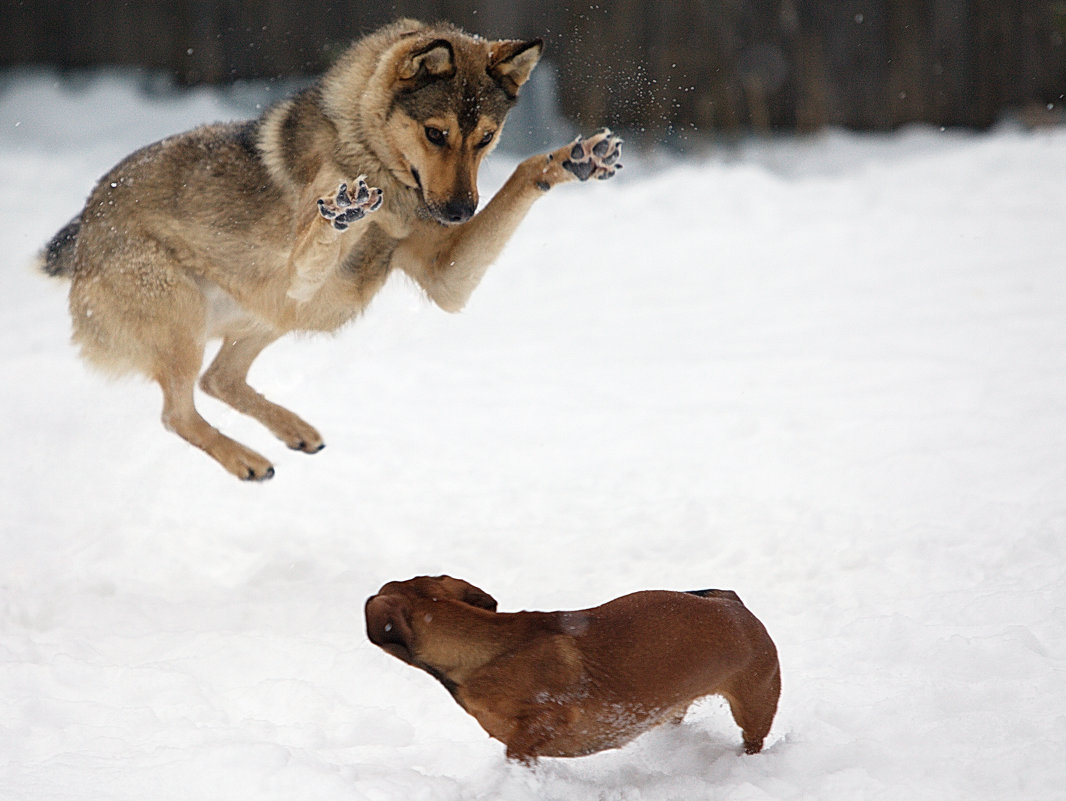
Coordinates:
427 62
511 61
387 625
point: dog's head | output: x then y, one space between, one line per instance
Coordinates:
434 106
400 616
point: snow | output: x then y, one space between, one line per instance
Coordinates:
827 373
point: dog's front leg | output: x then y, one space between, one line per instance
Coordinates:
325 236
451 266
535 729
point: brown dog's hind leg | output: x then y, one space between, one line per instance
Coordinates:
753 702
676 716
227 380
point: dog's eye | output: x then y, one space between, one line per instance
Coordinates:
486 139
436 136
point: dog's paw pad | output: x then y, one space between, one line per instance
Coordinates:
345 207
595 157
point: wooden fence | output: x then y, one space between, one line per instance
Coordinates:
665 68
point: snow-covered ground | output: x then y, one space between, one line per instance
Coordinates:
829 374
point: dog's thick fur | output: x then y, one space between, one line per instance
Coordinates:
293 221
563 684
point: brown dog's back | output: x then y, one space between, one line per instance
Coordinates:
700 642
650 654
729 595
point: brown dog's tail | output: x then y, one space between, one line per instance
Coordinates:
57 258
728 595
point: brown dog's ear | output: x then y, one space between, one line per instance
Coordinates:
511 61
465 592
387 626
428 61
479 598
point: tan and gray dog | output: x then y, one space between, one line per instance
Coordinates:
564 684
293 221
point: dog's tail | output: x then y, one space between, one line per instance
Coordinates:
728 595
57 258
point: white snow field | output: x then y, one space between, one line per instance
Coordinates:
828 373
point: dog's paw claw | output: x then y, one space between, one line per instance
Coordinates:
251 475
595 157
343 208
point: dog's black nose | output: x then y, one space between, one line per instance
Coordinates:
459 211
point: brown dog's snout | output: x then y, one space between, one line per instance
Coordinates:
387 626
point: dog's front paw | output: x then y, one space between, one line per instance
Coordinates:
343 208
595 157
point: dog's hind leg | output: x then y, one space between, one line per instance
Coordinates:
135 309
176 374
227 380
753 701
676 716
181 417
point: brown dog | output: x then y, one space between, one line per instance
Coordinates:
565 684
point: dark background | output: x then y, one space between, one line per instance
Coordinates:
659 68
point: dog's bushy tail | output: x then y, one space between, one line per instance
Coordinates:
728 595
57 258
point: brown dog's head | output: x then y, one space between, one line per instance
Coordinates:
390 621
434 106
